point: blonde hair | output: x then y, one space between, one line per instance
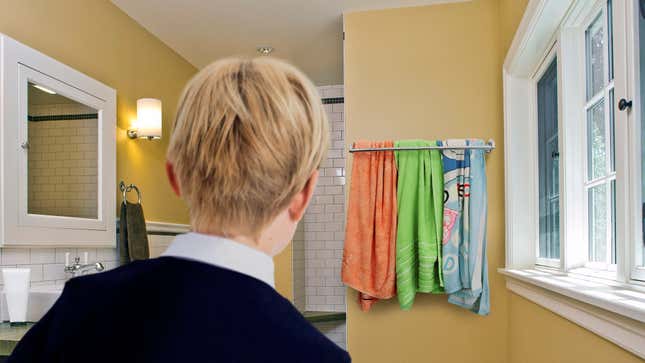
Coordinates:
247 137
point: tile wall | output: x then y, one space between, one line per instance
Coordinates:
323 223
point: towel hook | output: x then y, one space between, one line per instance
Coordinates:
125 189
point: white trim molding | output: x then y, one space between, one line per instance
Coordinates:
153 227
166 228
549 290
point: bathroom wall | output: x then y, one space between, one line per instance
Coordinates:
430 72
318 241
98 39
435 72
323 223
298 261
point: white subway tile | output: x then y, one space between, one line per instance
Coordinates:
334 208
54 271
325 235
106 254
325 217
324 254
335 117
316 299
338 180
334 154
324 199
316 245
42 255
338 126
333 92
325 180
333 281
333 245
338 144
36 273
15 256
334 300
325 291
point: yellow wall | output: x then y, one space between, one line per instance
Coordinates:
536 335
429 72
98 39
435 72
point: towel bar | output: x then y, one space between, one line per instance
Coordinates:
125 189
490 146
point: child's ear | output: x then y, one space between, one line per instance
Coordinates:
301 200
172 178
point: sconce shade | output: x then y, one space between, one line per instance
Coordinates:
149 118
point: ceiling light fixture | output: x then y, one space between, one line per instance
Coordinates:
265 50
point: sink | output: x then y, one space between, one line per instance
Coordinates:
41 299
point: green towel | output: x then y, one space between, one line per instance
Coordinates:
133 237
420 221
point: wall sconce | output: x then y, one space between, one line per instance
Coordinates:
148 123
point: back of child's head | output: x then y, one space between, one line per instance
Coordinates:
248 135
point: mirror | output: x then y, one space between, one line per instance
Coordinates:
62 163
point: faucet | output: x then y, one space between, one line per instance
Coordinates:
77 267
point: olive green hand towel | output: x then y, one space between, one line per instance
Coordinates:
420 221
133 236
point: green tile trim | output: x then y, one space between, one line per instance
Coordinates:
319 317
327 101
82 116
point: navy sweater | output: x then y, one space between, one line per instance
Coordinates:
173 310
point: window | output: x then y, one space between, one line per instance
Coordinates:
575 146
601 175
574 122
548 154
639 104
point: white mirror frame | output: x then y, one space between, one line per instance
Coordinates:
19 64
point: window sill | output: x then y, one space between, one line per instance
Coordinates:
610 309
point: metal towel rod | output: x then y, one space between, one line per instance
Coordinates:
126 189
490 146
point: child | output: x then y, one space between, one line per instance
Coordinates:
247 143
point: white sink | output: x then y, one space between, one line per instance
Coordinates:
41 299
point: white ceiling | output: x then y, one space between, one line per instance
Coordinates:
305 32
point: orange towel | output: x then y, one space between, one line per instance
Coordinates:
369 260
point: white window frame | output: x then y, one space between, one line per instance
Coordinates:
569 286
598 10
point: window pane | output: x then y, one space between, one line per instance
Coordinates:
641 103
612 130
613 221
596 148
610 38
595 39
598 208
548 164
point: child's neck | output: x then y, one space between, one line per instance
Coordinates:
247 241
